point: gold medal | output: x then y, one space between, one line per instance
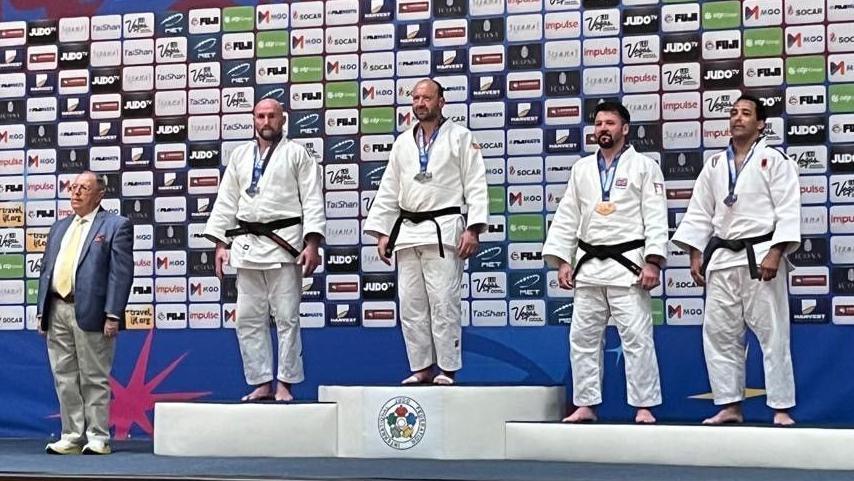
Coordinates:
606 208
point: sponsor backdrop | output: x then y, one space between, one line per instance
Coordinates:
157 99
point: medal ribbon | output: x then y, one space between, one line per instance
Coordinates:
733 172
606 174
260 164
424 149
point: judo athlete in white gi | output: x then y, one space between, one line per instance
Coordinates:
267 222
745 208
615 213
434 169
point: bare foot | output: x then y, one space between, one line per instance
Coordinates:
260 393
782 418
421 376
283 392
644 416
582 414
728 415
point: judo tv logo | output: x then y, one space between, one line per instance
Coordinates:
402 423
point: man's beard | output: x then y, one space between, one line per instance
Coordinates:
605 141
269 134
427 116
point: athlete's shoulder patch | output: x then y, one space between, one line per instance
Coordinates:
780 151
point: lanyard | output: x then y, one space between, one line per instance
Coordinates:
733 172
259 166
606 175
424 149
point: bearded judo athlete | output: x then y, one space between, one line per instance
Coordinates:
613 222
435 171
268 221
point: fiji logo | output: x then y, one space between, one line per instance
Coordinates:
402 423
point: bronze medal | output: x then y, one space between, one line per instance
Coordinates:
606 208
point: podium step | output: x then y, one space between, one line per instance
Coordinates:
435 422
720 446
251 429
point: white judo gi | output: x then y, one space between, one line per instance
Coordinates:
269 282
603 287
768 194
428 284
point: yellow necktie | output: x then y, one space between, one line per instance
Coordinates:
65 268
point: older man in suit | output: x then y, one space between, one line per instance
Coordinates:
86 277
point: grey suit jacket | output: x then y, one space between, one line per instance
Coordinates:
104 271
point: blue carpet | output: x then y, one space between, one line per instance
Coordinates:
135 459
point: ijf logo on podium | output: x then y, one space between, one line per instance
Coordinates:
402 423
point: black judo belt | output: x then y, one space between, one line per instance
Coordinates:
615 252
737 245
267 229
417 218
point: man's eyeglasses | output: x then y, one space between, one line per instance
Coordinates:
85 189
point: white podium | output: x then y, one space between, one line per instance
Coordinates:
251 429
435 422
721 446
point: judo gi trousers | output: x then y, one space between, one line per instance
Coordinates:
630 308
262 294
734 301
430 307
